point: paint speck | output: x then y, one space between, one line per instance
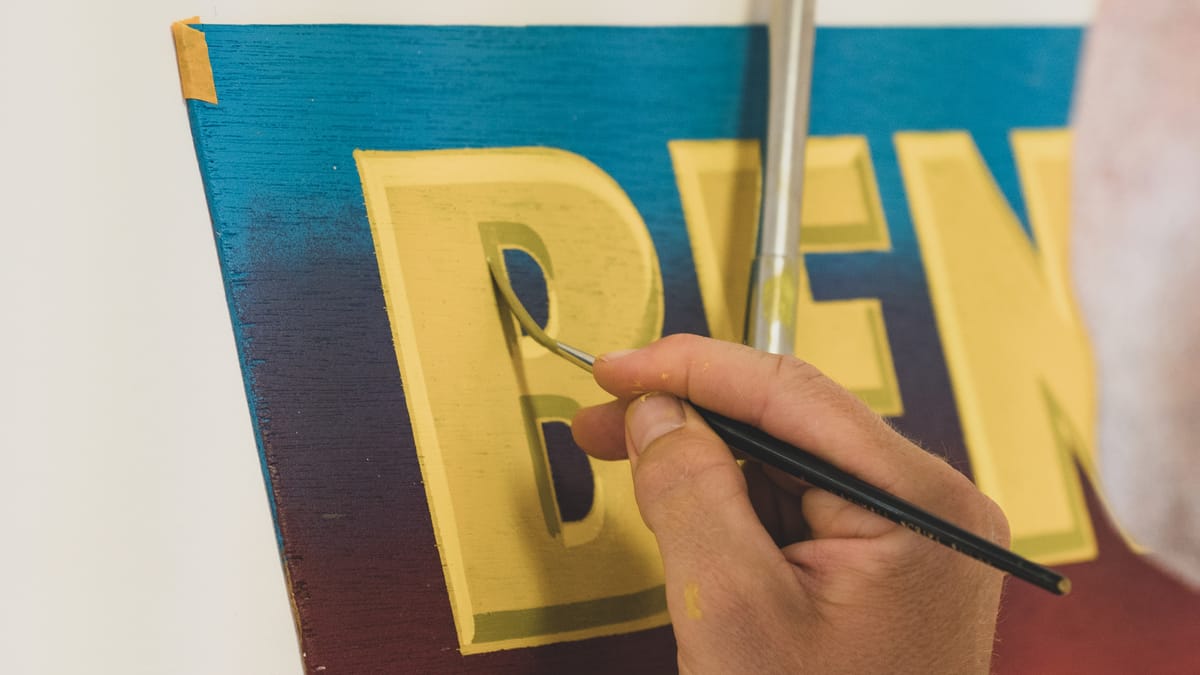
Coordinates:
320 668
335 167
665 376
704 368
691 600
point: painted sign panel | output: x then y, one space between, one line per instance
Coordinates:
432 513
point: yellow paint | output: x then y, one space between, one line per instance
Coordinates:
691 600
477 390
719 184
779 298
191 53
1018 357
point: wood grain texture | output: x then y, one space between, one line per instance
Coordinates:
313 334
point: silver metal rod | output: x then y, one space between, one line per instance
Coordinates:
771 323
577 356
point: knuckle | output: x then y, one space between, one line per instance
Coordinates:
661 473
977 512
679 341
657 475
680 473
794 371
796 377
793 380
996 526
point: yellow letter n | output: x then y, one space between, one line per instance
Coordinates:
1018 358
478 391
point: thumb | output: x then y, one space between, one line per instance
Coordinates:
683 475
693 496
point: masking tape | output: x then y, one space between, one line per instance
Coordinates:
195 72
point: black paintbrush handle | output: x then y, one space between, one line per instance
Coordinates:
821 474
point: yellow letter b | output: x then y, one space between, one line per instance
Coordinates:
478 392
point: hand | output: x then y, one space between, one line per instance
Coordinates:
765 574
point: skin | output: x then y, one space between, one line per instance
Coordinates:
765 574
1136 263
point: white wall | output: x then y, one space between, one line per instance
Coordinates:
134 530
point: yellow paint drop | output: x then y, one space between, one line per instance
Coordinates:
691 600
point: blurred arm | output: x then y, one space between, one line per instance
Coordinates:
1136 260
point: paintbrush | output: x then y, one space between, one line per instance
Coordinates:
813 470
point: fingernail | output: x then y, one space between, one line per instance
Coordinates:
613 356
651 417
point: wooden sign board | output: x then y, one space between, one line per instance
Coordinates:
432 513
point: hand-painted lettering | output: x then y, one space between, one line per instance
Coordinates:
477 390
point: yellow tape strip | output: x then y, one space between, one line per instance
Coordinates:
191 51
